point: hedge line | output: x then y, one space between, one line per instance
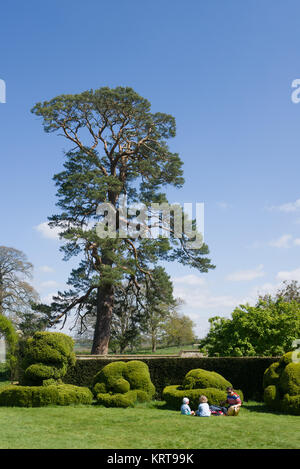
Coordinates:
245 373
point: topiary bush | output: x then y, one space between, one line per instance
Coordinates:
196 383
45 359
39 396
122 384
282 385
201 379
46 355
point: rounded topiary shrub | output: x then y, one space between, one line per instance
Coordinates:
173 396
196 383
46 355
201 379
122 384
282 385
39 396
45 359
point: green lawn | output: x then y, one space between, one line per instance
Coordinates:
144 427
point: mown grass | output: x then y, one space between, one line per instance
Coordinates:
146 426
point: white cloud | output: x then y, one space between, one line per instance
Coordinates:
289 275
48 298
288 207
189 280
246 275
46 269
196 295
282 242
47 232
53 233
297 241
49 284
223 205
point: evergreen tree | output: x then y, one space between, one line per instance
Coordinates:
118 147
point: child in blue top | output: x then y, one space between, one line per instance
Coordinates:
203 409
185 408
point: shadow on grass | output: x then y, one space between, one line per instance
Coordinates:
260 407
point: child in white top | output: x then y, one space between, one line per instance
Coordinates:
185 408
203 409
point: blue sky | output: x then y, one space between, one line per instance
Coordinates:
223 69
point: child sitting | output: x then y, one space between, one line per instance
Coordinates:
203 409
185 408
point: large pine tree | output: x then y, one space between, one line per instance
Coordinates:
118 147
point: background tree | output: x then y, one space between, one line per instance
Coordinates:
34 320
178 329
127 317
158 302
16 294
288 291
266 329
118 147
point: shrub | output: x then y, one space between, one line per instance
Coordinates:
291 404
39 396
196 383
199 378
271 397
173 396
121 384
46 356
117 400
243 372
272 374
282 385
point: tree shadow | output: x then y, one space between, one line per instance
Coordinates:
261 408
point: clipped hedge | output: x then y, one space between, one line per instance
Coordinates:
196 383
39 396
173 396
46 355
198 378
243 372
282 385
121 384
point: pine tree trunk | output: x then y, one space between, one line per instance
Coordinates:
105 301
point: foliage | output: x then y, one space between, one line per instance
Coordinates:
173 396
118 147
196 383
243 372
38 396
178 329
282 384
158 302
34 320
199 378
288 291
121 384
266 329
46 355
